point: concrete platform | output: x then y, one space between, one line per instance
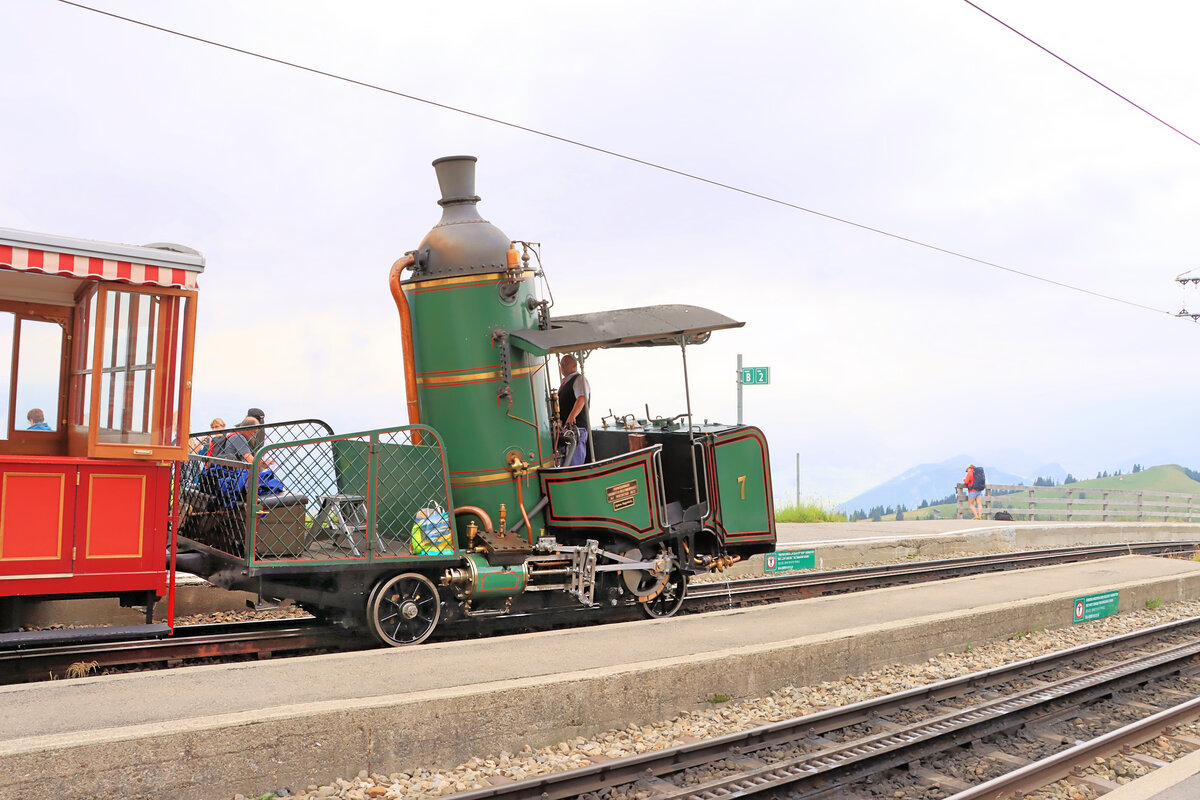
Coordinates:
209 732
840 544
1179 780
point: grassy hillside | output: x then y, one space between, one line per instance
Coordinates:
1165 478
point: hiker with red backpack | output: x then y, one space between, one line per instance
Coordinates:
975 483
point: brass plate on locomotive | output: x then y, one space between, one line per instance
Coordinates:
622 495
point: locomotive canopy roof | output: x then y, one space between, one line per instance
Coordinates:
648 326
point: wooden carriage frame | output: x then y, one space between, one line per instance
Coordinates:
101 336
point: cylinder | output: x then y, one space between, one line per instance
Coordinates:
477 579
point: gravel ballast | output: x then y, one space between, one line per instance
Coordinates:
724 717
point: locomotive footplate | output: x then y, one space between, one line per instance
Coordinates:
504 549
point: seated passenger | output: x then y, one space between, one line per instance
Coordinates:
202 446
260 418
37 420
227 482
236 446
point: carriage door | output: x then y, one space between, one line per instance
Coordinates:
120 508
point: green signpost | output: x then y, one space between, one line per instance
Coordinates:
789 560
1094 606
749 376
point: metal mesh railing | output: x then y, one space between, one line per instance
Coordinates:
212 493
325 498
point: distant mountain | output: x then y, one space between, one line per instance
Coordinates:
933 482
1053 470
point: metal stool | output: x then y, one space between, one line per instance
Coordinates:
346 513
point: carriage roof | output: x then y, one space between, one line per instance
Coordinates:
160 264
649 326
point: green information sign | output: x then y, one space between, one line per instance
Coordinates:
752 376
788 560
1094 606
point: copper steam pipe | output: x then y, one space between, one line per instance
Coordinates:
479 512
406 340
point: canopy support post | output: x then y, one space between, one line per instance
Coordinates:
687 393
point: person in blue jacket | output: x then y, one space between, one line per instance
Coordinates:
37 420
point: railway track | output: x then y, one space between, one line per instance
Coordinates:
264 639
230 640
911 745
815 584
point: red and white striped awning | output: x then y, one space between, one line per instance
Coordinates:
83 258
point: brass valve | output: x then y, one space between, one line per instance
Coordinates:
503 514
722 563
519 468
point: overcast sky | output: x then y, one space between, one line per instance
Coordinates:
925 119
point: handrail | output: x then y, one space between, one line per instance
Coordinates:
1071 502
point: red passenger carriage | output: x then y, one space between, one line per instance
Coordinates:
97 337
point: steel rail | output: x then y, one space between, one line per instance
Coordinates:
1058 766
826 763
952 726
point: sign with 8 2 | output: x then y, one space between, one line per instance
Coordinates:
752 376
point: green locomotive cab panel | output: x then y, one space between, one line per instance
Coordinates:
675 463
739 479
731 464
622 494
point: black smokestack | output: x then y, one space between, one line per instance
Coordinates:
462 243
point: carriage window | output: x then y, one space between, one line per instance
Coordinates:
128 372
82 357
7 323
39 370
107 373
32 339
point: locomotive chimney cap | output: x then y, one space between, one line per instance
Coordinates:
437 161
456 179
462 243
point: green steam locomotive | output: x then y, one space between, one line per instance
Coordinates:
486 503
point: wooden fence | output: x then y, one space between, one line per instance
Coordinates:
1084 504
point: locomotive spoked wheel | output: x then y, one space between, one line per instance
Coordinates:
403 609
669 600
659 594
644 584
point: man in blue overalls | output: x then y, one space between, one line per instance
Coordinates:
573 396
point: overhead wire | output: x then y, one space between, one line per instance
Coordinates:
1094 80
612 153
